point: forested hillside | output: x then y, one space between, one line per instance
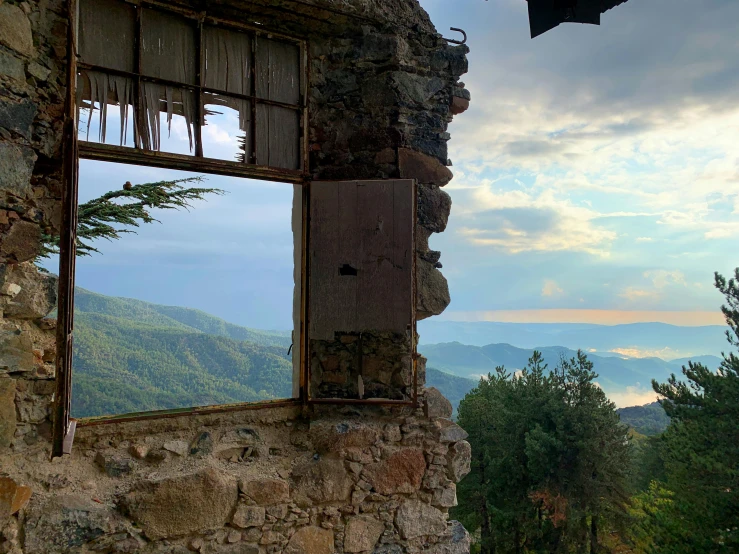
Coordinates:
649 419
131 356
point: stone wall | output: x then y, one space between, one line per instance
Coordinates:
383 88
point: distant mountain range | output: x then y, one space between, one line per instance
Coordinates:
646 337
465 360
133 356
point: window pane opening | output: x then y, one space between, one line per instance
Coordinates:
177 82
196 307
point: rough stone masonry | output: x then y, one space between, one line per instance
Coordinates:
356 479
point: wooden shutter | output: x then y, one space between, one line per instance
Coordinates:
361 311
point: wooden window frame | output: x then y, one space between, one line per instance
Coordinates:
63 425
196 161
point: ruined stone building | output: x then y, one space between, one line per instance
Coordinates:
348 101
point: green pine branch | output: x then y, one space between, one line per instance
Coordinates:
109 215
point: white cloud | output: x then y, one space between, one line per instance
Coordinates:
636 395
662 278
551 288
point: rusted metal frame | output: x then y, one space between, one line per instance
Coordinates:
200 112
414 298
362 402
195 88
166 160
304 315
62 431
252 156
179 412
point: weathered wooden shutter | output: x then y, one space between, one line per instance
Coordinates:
63 426
361 310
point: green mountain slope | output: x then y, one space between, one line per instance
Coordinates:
191 319
452 387
131 356
649 419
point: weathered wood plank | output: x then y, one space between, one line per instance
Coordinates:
375 228
284 133
402 248
324 303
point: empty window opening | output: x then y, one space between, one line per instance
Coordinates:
161 81
195 307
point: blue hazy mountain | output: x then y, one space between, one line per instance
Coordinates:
615 373
600 338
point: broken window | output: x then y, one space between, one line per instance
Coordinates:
161 81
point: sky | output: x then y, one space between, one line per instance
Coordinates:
597 166
596 179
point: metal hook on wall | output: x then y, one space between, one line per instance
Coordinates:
457 41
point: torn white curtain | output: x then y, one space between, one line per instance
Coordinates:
172 101
227 67
101 89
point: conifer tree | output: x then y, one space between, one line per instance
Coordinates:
701 450
115 212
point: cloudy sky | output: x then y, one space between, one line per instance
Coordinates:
597 170
596 179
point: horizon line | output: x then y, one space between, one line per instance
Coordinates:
590 316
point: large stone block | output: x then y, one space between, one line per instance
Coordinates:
335 436
436 405
21 242
13 497
325 480
434 206
7 411
433 290
16 350
266 492
65 523
183 505
16 168
34 293
15 29
448 431
401 472
311 540
459 459
425 169
459 543
416 519
362 533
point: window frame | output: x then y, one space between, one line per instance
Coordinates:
197 161
63 425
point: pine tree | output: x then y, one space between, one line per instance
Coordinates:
108 215
701 450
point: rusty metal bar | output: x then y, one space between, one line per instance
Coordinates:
178 412
414 298
200 116
166 160
67 249
361 402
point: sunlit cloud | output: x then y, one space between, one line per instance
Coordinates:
551 288
602 317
